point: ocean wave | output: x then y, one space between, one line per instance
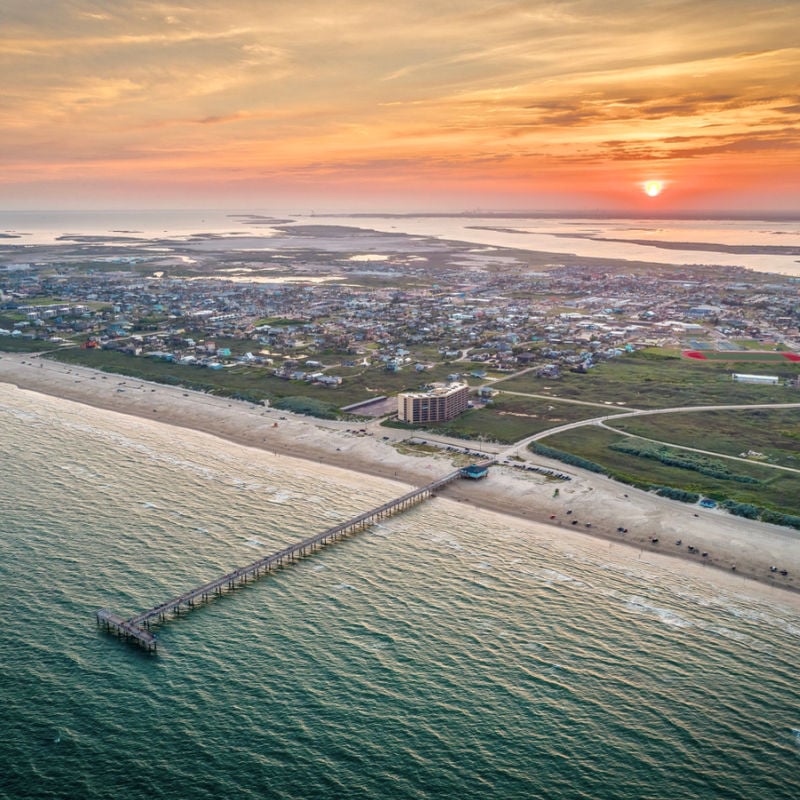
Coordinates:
665 615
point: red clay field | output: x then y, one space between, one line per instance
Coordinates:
763 357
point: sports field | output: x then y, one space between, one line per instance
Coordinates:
760 356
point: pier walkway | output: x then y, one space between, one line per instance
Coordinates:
136 628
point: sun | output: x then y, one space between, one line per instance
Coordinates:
653 188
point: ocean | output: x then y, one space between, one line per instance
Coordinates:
445 653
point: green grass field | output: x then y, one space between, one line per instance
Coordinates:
510 418
16 344
775 433
777 490
750 344
254 383
661 379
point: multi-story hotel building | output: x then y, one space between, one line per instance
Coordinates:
440 403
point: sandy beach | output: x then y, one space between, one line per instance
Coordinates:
587 504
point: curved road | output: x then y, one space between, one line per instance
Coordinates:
677 410
698 450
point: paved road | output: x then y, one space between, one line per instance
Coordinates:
523 443
503 452
698 450
565 400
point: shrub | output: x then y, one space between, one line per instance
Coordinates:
307 405
696 462
776 518
567 458
247 398
677 494
746 510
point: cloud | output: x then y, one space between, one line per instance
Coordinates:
458 89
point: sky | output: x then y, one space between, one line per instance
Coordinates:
408 105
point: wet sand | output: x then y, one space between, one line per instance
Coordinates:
588 504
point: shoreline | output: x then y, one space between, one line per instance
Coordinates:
592 505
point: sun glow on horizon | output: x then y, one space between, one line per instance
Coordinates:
653 188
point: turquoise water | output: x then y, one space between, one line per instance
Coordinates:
448 653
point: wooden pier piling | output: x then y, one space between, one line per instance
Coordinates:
136 629
125 629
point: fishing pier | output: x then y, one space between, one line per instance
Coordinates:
136 629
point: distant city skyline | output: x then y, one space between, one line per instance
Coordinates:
667 107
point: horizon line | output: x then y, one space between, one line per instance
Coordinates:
467 214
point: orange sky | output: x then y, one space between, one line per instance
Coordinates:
434 105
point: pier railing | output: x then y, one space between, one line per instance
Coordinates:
135 628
